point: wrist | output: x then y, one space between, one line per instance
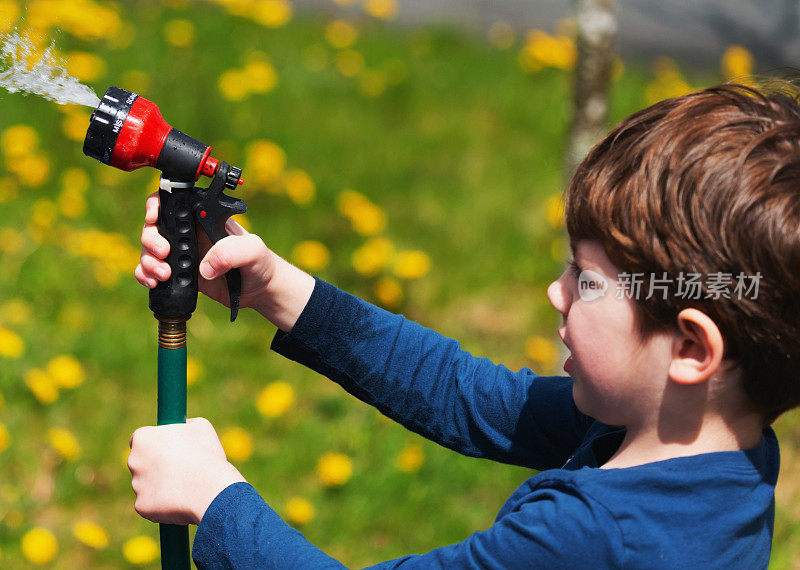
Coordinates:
204 500
285 295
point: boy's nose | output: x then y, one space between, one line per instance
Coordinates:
558 295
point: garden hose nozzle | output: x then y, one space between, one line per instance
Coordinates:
127 131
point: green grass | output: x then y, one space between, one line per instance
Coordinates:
461 155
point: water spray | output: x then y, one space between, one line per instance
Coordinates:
127 131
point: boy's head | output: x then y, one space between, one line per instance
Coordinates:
706 188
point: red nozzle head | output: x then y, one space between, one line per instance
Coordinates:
128 132
141 137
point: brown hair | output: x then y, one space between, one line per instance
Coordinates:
708 183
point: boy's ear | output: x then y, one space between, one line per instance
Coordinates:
697 349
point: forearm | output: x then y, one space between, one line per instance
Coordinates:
239 530
427 383
285 295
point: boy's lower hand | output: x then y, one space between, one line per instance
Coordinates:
177 471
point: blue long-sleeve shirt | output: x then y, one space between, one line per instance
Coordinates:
714 510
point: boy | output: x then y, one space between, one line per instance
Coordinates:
679 311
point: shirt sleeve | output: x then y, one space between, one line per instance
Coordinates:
427 383
554 527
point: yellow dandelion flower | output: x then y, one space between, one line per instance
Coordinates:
194 370
299 511
72 204
9 12
275 399
341 34
299 186
383 9
65 443
261 76
334 469
85 66
33 170
74 178
5 438
311 255
39 545
349 62
411 458
502 35
44 213
554 211
350 201
272 13
369 220
737 62
66 371
372 82
265 162
42 385
373 256
140 550
9 190
91 534
412 264
11 344
180 32
11 241
15 312
18 140
542 351
543 49
389 292
237 443
315 58
233 84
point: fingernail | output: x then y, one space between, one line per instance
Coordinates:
206 270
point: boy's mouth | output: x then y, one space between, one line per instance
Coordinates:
568 363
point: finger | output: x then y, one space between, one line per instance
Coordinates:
148 282
234 228
151 206
154 242
154 268
229 252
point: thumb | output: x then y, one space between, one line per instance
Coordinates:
229 252
221 257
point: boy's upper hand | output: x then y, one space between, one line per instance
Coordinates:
270 285
177 471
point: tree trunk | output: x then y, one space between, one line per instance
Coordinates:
596 42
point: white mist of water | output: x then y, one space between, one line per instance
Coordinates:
42 74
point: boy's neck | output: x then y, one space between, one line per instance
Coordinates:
648 444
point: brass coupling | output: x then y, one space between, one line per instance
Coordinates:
172 331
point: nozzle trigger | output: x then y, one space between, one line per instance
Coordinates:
212 211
